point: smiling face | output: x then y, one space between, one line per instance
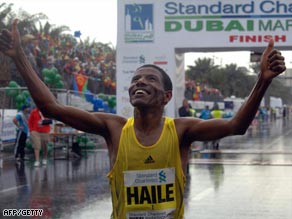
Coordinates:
147 89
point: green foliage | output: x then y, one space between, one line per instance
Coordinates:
231 80
201 69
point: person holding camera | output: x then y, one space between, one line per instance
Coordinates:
39 128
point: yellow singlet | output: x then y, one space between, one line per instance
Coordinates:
147 182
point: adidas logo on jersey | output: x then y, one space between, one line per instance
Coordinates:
149 160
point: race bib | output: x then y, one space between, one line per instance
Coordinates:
150 194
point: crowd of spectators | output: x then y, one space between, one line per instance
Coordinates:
70 55
201 91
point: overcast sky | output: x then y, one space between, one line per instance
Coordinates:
94 18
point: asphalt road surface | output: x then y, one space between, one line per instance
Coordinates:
249 177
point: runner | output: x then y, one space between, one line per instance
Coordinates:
149 152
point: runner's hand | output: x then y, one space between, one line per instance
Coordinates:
10 41
272 62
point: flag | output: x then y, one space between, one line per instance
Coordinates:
80 83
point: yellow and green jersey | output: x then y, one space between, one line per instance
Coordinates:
148 181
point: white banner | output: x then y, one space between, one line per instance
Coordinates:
151 32
205 24
127 64
8 130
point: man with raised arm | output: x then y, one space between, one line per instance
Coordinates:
148 153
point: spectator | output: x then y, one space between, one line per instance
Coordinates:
69 69
206 113
186 109
21 122
216 113
39 128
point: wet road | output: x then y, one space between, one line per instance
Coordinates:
249 177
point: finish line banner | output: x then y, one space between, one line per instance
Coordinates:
203 23
158 32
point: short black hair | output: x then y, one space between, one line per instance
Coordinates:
167 84
25 106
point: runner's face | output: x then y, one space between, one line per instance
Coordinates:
147 88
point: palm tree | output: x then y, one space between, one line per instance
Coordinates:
52 30
229 80
5 11
236 81
201 69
